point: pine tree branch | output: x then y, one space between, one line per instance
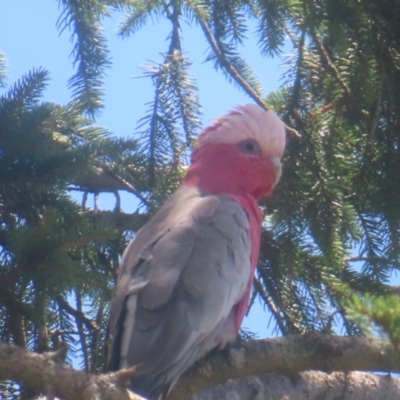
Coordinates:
26 91
294 99
376 115
231 70
15 323
78 315
90 51
103 180
11 276
289 355
310 385
153 133
336 74
331 66
224 62
120 220
81 331
95 343
173 15
286 355
40 373
10 300
185 89
357 259
270 303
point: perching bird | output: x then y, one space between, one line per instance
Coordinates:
185 280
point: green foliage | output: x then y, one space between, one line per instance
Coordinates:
270 29
137 15
173 118
330 205
175 106
331 241
377 315
52 250
90 52
225 29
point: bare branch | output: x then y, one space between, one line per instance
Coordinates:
39 372
290 355
356 259
270 303
292 131
310 385
103 180
79 315
120 220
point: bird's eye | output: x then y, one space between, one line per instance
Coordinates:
250 147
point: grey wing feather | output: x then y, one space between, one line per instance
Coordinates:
179 281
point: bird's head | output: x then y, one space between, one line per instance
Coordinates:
240 153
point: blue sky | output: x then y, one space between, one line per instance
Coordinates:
29 39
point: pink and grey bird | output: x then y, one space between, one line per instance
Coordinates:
185 279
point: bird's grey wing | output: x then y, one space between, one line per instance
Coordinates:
180 293
139 250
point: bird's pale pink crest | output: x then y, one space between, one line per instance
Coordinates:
248 122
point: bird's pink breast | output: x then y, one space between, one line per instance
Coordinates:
255 216
222 169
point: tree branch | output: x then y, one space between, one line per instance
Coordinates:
224 62
79 315
120 220
40 373
310 385
231 70
289 354
330 65
104 180
270 303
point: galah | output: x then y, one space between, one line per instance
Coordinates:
185 279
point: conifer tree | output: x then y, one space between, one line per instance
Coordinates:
331 237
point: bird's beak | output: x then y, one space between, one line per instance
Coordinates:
278 169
